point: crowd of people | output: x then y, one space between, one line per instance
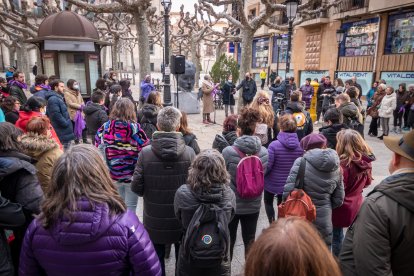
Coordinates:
72 172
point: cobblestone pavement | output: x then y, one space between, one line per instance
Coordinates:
206 134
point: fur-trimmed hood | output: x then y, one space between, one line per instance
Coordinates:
36 145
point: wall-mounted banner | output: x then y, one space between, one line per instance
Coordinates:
364 79
312 74
395 78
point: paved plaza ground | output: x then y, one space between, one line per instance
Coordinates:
206 134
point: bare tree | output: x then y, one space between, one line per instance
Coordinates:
137 9
249 25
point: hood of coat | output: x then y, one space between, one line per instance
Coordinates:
168 146
248 144
349 109
214 194
288 140
389 96
91 108
150 111
25 116
35 145
361 164
325 160
188 138
51 94
295 106
333 129
230 136
86 224
400 188
11 162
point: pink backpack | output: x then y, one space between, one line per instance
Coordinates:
249 175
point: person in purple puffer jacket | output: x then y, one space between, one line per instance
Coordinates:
282 154
84 227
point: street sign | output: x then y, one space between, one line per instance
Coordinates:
167 71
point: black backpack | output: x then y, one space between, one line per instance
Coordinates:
207 240
148 127
356 125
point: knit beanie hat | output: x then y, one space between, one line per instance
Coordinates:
313 141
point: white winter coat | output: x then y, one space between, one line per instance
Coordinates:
388 104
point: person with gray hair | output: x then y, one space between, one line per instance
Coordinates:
161 169
208 182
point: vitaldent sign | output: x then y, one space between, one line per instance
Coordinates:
395 78
364 79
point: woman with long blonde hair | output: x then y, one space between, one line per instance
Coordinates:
262 103
355 159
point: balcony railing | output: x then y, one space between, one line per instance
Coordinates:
349 5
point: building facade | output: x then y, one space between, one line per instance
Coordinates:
378 43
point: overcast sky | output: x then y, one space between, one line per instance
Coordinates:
188 5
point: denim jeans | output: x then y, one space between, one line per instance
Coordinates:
337 238
130 198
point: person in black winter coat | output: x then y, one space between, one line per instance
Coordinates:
332 117
303 119
279 89
249 89
18 182
325 92
161 169
229 89
11 216
58 114
147 116
229 134
189 137
208 182
95 114
380 241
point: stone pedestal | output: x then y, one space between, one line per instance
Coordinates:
187 102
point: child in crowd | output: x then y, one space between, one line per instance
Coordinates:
95 113
332 118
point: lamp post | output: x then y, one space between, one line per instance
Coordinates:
278 43
291 9
167 87
339 38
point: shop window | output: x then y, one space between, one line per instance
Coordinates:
360 38
72 66
400 35
152 67
209 50
282 50
260 53
151 47
252 14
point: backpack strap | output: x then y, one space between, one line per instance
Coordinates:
300 178
239 152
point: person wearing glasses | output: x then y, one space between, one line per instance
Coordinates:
11 107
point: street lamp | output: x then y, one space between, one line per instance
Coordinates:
291 10
279 44
339 38
167 87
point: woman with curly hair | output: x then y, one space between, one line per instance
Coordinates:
208 183
267 128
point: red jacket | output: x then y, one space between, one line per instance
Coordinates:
357 176
24 118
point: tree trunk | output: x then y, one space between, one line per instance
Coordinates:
143 45
219 50
23 61
114 55
12 54
133 65
196 60
246 59
103 59
39 61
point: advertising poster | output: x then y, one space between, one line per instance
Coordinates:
312 74
364 79
395 78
